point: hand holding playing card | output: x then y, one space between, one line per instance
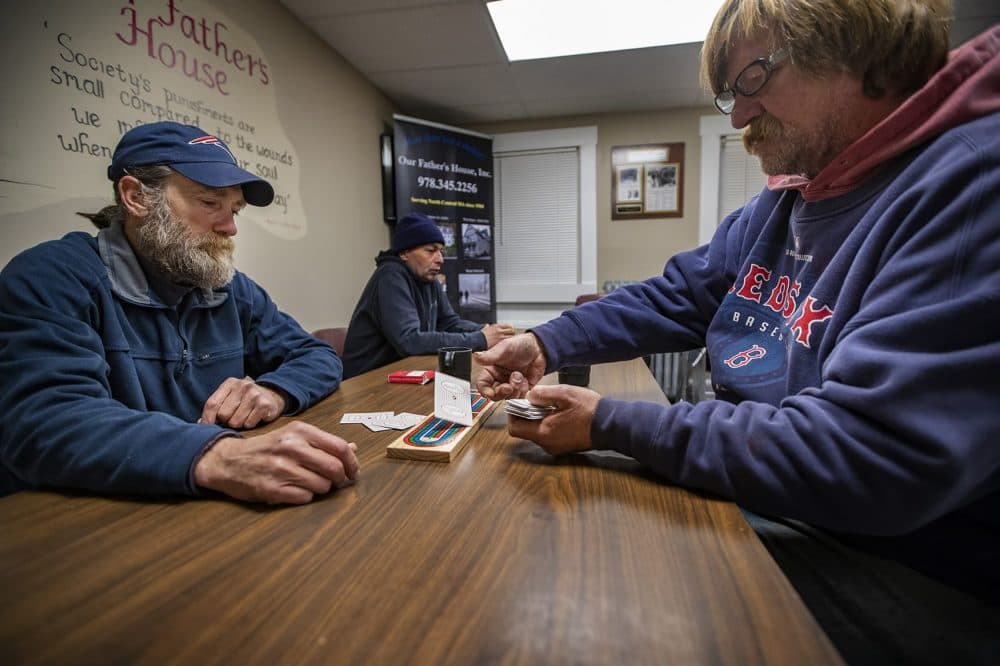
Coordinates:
510 368
567 427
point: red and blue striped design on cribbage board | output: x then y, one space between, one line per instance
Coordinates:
438 432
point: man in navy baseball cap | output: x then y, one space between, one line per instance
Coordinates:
131 360
190 151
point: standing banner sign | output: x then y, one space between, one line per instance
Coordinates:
447 174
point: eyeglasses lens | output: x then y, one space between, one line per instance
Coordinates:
725 101
751 79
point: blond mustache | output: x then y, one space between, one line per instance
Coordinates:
760 129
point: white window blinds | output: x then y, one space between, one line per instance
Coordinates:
537 201
740 175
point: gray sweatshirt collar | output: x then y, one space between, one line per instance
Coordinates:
128 280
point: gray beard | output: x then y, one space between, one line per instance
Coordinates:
205 262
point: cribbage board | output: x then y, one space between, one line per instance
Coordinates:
438 440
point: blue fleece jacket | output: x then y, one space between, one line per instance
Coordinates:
399 316
855 350
102 382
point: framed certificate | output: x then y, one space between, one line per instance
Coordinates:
647 181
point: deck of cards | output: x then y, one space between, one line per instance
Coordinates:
521 408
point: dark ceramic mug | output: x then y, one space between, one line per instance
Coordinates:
456 361
575 375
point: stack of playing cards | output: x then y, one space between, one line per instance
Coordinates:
523 409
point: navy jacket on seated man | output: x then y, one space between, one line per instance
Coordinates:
129 360
403 310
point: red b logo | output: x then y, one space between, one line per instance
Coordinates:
744 357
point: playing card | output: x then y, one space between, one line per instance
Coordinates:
452 399
403 420
531 416
523 409
362 417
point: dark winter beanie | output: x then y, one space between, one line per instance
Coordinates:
413 230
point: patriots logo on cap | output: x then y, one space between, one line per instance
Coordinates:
213 141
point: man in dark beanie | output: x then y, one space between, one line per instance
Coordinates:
403 310
130 360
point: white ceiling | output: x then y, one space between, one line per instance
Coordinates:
442 60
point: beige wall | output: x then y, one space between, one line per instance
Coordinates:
324 111
634 249
314 104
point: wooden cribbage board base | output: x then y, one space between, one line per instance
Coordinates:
438 440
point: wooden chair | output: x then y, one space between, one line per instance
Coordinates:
332 336
586 298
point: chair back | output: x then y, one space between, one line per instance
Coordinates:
334 337
586 298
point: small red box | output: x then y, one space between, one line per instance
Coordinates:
411 376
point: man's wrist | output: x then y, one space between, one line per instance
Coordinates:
283 398
540 345
203 471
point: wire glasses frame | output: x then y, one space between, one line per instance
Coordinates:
750 80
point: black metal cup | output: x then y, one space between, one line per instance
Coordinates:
575 375
456 361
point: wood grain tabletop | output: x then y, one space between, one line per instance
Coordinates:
505 555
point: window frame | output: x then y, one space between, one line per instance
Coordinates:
529 304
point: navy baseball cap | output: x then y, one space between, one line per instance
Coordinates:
193 153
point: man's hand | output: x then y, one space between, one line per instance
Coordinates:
496 332
565 430
242 403
289 465
510 368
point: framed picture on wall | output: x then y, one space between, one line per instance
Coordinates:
647 181
628 189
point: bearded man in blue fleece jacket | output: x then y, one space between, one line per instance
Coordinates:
130 361
851 313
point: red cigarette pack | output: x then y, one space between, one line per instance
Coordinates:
411 376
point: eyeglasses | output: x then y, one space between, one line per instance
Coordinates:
750 80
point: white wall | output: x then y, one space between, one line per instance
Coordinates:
72 70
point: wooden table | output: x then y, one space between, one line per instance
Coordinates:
505 555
